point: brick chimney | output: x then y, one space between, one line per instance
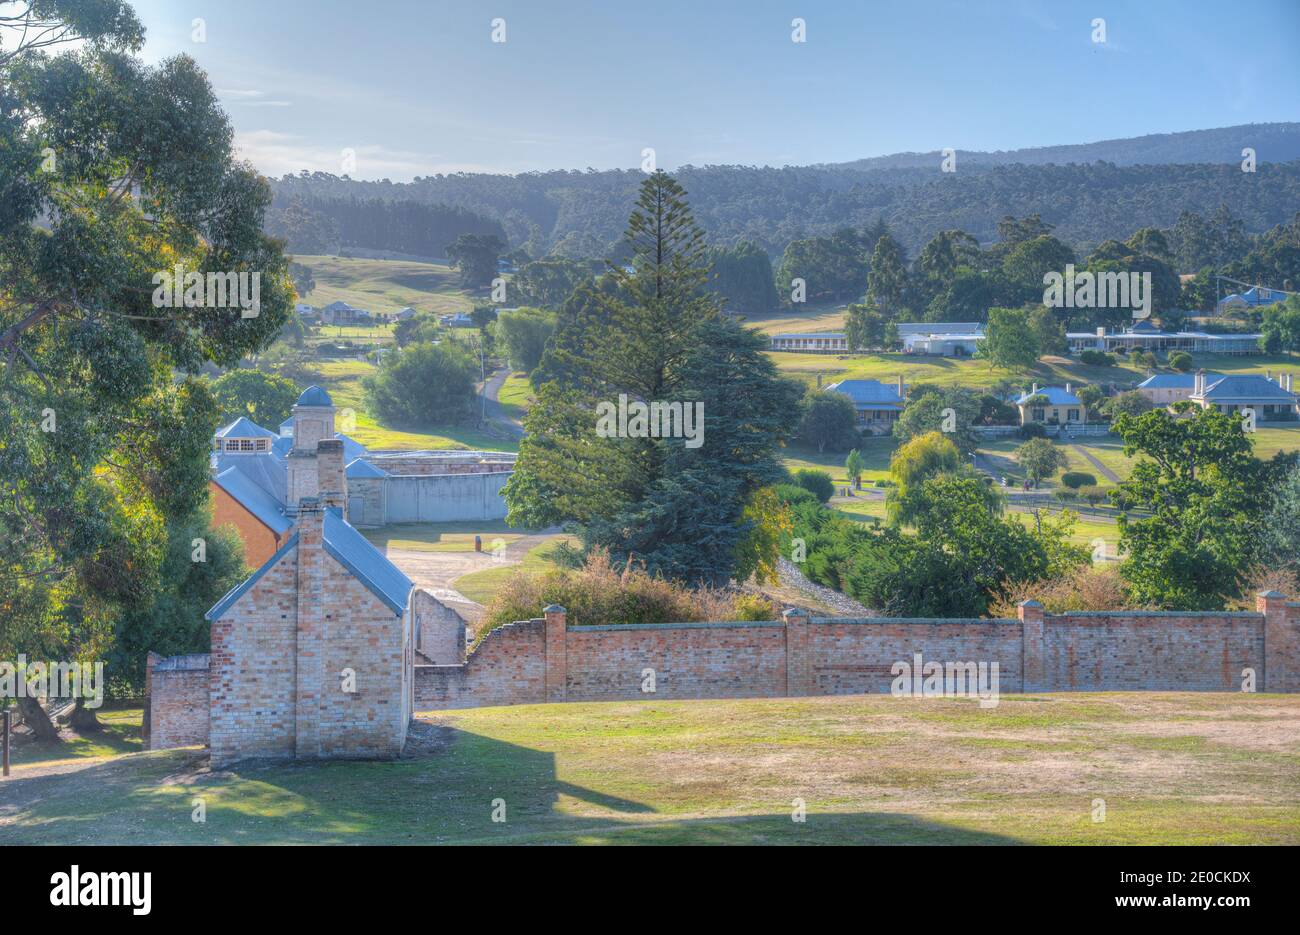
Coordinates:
310 628
332 483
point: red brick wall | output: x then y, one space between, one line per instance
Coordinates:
260 543
518 664
1151 652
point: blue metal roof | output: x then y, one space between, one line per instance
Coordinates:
1056 396
1175 381
244 427
265 469
314 396
352 449
1247 386
867 392
239 590
359 468
370 566
351 550
254 499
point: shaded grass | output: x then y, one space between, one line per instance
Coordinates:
868 769
385 285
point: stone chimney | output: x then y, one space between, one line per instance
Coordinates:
1198 387
332 483
1288 383
1069 387
900 386
1034 390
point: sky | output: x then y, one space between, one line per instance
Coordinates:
419 87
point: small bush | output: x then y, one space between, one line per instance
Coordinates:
819 483
1033 430
1089 587
792 494
1076 479
1094 495
884 482
1097 358
1180 361
1065 494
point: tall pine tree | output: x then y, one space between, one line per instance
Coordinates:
652 332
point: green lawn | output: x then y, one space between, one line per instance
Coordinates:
875 459
385 285
516 395
443 537
342 378
480 586
1172 768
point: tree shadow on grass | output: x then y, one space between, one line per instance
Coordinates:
462 788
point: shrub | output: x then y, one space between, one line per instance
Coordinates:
1089 587
600 594
1065 495
1094 495
791 494
818 483
1180 361
422 385
1096 358
1076 479
1033 430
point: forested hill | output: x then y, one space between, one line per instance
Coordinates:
582 213
1272 142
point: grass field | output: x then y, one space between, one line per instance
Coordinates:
385 285
480 586
1172 768
443 537
342 378
516 395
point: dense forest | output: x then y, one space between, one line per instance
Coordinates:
580 213
316 224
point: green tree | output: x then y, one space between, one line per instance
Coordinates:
853 467
887 282
476 256
743 277
654 334
1180 361
864 327
1132 403
817 483
829 421
1040 458
549 282
423 385
265 398
104 427
1193 506
523 333
950 410
1009 342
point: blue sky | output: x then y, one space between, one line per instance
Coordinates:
418 87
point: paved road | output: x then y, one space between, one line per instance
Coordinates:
1105 471
496 415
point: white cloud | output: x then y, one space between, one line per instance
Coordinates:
274 153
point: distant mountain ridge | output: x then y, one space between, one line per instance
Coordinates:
1090 191
1272 142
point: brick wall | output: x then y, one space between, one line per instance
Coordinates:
176 700
260 543
545 660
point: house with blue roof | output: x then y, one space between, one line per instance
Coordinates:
878 405
1271 401
1052 405
1165 388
